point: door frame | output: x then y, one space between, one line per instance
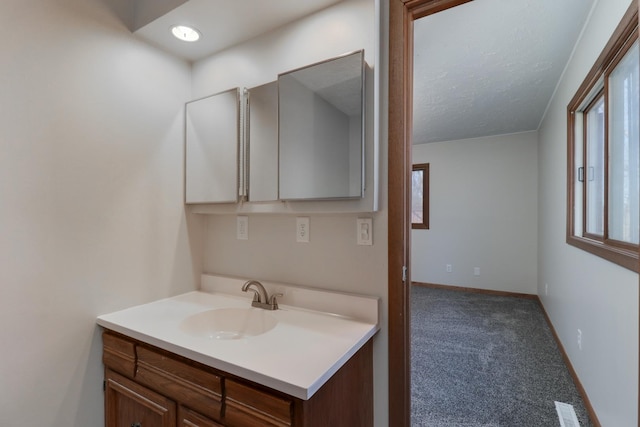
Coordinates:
402 13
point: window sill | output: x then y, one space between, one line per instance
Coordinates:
623 257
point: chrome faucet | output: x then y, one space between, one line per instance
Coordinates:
260 297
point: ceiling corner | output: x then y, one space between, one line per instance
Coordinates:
146 11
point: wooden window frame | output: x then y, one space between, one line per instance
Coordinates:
585 191
424 225
621 253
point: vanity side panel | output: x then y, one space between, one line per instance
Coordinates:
346 399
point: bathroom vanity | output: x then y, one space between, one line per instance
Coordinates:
207 358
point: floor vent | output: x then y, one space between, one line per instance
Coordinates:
567 415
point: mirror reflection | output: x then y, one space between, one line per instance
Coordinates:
262 143
212 146
321 130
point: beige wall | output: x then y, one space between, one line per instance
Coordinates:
483 213
91 199
91 214
585 291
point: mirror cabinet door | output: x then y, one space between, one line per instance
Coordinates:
262 143
212 148
321 130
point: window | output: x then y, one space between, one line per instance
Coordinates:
420 196
603 214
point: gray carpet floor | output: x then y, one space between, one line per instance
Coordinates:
485 360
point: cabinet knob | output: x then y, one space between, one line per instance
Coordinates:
136 425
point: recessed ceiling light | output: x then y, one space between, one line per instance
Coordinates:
185 33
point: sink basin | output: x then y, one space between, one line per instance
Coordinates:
229 323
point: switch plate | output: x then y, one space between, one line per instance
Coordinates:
302 229
365 231
242 228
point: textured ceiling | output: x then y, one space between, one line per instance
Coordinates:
490 67
223 23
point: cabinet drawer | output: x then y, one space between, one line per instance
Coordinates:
119 354
248 407
180 381
189 418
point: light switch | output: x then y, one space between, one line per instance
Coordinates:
302 229
242 228
365 231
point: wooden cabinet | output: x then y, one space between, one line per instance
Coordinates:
199 389
189 418
153 387
248 407
130 405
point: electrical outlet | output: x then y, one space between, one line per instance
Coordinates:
476 271
242 228
365 231
449 268
579 339
302 229
546 289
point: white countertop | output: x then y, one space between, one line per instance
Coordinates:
296 357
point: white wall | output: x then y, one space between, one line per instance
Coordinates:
91 212
483 213
331 260
585 291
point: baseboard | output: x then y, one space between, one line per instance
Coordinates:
574 375
477 290
565 357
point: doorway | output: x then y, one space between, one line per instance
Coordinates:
402 15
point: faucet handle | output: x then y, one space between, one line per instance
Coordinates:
273 302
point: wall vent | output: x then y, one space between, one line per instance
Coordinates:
567 415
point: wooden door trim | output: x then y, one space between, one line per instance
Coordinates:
399 221
638 284
402 13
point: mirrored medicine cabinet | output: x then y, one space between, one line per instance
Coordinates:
261 144
321 127
300 138
212 148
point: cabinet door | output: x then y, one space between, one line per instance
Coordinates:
131 405
213 148
189 418
262 144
